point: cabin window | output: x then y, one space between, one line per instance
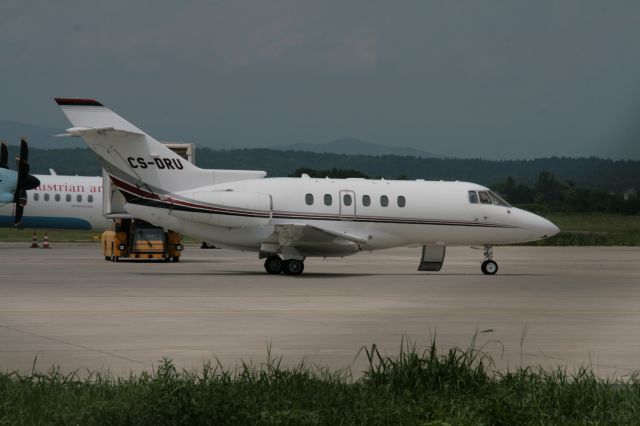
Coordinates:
68 197
36 196
401 201
384 201
46 197
473 197
484 198
90 198
347 200
308 199
366 200
57 197
327 199
79 198
497 200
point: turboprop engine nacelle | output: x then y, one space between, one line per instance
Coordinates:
226 208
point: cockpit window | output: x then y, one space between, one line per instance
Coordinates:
497 200
473 197
484 198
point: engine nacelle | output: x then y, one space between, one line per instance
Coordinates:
225 208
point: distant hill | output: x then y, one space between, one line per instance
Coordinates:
353 146
37 136
593 173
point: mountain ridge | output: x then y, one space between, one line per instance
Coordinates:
37 136
355 146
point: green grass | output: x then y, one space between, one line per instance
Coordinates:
55 235
593 229
58 235
419 387
590 229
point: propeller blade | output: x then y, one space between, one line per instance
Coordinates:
18 215
4 156
23 171
31 182
25 180
24 150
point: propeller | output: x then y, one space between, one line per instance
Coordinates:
25 182
4 156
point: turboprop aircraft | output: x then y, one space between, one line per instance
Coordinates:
14 185
66 202
287 220
61 202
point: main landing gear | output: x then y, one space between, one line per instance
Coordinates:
489 266
275 265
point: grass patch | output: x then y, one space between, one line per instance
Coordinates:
55 235
414 387
59 235
589 229
593 229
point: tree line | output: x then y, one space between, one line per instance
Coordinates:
585 182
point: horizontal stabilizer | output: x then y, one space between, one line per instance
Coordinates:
81 131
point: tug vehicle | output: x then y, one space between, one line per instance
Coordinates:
137 239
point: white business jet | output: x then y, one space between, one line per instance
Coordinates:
287 220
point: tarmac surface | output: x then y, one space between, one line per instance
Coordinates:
551 306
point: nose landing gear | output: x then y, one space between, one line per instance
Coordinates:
489 266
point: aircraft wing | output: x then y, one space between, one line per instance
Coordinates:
312 240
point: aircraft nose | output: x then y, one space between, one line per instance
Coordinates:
546 228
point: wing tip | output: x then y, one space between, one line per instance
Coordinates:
77 102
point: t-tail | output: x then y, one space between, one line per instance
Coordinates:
136 158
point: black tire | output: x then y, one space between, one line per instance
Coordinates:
107 258
489 267
273 265
116 258
293 267
176 259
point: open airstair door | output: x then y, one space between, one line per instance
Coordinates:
432 257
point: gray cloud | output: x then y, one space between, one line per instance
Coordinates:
491 79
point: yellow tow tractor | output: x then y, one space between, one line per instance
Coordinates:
137 239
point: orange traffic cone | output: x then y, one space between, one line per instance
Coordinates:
34 240
45 242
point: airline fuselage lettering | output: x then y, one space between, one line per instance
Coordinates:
160 163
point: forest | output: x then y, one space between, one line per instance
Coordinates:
546 194
555 184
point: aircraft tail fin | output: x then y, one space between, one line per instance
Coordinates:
133 156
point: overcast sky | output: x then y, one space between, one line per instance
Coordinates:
492 79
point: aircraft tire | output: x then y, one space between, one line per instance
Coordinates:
293 267
273 264
489 267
